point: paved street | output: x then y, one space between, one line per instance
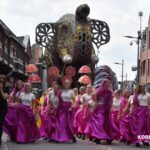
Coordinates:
80 145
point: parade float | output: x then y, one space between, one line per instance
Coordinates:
72 42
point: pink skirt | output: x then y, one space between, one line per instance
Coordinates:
140 124
20 124
64 130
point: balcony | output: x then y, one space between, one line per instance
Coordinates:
11 61
19 66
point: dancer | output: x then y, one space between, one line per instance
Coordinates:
92 104
125 127
77 106
64 124
115 112
49 111
123 118
42 112
81 117
20 122
139 118
52 108
101 123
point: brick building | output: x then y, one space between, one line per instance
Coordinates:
145 57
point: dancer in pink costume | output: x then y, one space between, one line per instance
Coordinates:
22 117
50 110
81 117
101 123
42 112
77 106
115 112
64 131
88 114
127 135
139 118
9 123
77 103
123 118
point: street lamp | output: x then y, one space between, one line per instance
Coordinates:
122 75
137 41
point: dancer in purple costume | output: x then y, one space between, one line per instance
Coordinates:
92 104
50 110
64 131
10 123
123 118
81 117
77 107
115 112
101 123
22 117
139 118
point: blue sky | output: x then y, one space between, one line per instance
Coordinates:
22 17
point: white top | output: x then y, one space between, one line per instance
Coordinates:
86 98
67 95
53 99
92 104
116 102
143 99
26 98
130 100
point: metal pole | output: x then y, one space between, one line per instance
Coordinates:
138 50
122 75
126 80
138 58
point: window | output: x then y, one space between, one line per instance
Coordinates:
144 67
12 49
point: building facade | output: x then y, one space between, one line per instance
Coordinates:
13 54
145 57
